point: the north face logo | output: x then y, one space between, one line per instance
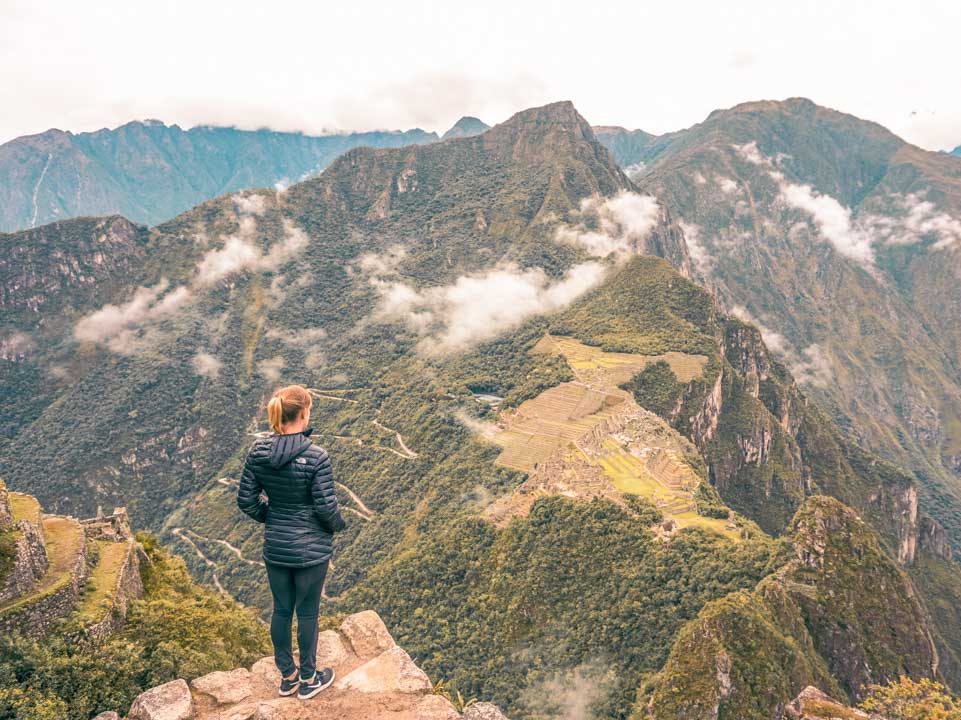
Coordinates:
301 461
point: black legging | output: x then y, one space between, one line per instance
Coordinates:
295 589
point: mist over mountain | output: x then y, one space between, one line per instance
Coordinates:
841 242
578 483
150 172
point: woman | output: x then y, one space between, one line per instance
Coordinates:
300 514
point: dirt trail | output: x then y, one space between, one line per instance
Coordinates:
235 550
353 496
36 192
407 453
179 532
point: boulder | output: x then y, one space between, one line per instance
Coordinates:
435 707
276 710
812 704
227 688
330 649
170 701
391 671
483 711
367 634
266 671
107 715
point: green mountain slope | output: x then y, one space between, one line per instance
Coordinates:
539 424
841 242
150 172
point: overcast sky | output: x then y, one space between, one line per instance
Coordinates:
361 65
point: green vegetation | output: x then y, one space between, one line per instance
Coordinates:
907 699
178 629
101 583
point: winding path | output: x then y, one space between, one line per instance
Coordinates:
210 563
407 453
36 192
235 550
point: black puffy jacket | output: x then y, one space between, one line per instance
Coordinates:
300 513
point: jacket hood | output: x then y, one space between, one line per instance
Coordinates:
284 448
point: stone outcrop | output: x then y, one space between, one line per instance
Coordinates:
812 704
375 678
29 561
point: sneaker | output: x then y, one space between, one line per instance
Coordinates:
289 687
320 681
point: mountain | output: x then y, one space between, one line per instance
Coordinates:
150 172
956 151
555 450
841 242
467 126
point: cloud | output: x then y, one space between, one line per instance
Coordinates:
915 219
478 307
833 221
635 170
206 365
749 152
726 184
16 346
703 260
811 366
307 339
618 225
116 325
483 428
271 368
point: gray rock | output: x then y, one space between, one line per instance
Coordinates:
391 671
107 715
435 707
367 634
227 688
483 711
330 649
170 701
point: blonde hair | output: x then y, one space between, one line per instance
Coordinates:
286 405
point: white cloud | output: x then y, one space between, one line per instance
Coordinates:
833 221
483 428
812 366
914 219
271 368
478 307
307 339
618 225
206 365
726 184
749 152
116 325
703 260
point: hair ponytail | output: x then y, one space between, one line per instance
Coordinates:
286 405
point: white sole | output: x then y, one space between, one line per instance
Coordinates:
316 690
289 692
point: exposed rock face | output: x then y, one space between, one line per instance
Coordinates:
366 634
375 679
226 688
933 538
170 701
391 671
6 516
812 704
29 562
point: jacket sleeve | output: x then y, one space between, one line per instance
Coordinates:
249 494
325 498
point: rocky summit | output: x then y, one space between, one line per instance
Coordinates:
375 678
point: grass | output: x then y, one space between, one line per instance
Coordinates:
25 507
618 368
102 582
64 538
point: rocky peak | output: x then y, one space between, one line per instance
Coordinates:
812 704
467 126
375 678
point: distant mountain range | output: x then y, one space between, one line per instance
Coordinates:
956 151
577 482
150 172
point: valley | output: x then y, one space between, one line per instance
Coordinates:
558 456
